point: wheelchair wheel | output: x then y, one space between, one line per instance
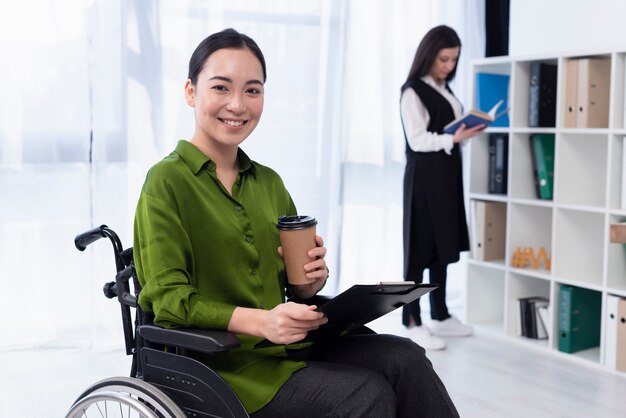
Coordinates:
124 397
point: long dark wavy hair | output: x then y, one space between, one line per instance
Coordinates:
436 39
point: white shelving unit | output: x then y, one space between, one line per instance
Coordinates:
573 227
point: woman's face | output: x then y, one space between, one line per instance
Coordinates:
227 97
444 63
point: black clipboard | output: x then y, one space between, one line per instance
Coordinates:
360 304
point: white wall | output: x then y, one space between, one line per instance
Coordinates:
541 27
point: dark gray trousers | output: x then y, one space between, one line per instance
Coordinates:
373 375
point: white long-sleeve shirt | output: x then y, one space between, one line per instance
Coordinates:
415 119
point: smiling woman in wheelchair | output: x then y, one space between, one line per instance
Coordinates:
207 255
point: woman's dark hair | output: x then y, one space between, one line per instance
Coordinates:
436 39
228 38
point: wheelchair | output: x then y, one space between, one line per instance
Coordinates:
164 381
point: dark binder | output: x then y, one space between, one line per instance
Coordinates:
490 89
531 326
498 163
579 318
542 98
542 156
525 317
360 304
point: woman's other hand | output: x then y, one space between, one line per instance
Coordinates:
290 322
464 133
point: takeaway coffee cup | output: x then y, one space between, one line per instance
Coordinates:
297 237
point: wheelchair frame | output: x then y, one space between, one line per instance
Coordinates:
162 383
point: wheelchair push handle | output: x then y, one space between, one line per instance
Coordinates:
83 240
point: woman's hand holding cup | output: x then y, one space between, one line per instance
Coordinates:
303 252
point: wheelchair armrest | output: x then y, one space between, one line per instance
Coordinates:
203 340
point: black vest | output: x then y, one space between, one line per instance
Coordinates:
439 109
434 209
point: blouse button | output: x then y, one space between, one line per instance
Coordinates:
237 208
248 239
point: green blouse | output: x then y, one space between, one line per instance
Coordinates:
200 252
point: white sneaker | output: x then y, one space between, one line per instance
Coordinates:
423 337
450 327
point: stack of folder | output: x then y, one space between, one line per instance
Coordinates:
534 318
587 87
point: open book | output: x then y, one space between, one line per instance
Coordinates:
360 304
475 117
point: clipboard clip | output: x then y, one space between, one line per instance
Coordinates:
386 289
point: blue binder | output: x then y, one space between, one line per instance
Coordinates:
490 88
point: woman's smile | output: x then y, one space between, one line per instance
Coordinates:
233 123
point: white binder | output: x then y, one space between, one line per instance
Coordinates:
610 339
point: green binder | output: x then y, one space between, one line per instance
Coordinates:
542 156
579 318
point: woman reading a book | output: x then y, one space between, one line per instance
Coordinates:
434 226
207 256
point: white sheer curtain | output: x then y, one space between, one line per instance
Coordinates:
92 95
45 127
381 41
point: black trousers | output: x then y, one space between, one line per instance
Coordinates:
378 376
438 306
421 256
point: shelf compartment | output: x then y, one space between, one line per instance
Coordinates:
616 173
581 312
522 286
521 173
616 263
578 249
485 295
618 99
530 226
521 87
479 164
580 169
503 68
